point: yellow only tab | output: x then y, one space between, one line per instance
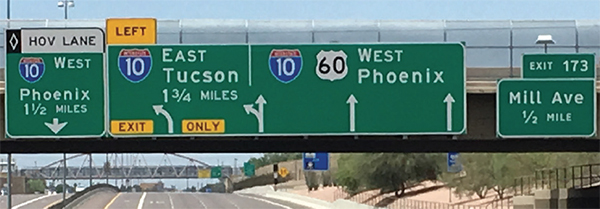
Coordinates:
203 126
131 126
131 31
204 173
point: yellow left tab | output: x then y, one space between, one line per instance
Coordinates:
131 126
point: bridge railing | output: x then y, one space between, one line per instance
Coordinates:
579 176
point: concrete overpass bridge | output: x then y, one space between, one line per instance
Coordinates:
114 168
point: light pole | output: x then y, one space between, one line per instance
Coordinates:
545 39
66 4
235 166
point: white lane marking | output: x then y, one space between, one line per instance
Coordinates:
263 200
171 201
203 205
236 206
141 203
31 201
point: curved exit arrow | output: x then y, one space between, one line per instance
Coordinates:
158 109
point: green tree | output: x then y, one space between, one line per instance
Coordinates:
347 175
389 172
271 158
36 185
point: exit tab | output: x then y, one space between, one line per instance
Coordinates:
131 31
118 127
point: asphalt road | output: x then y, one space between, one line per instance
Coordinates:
183 200
29 201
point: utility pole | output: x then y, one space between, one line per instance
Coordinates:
91 169
64 186
9 176
107 169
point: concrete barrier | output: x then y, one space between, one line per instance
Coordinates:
542 199
299 199
80 197
524 202
347 204
317 203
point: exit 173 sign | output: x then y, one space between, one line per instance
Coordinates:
559 66
311 89
54 83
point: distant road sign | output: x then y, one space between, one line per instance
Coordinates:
215 172
308 89
54 83
454 165
546 108
249 169
559 66
204 173
316 161
283 172
131 31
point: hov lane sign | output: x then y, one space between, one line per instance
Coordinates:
54 83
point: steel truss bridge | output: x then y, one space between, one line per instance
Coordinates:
115 167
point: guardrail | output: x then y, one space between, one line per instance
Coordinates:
580 176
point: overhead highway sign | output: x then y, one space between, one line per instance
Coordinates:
54 83
311 89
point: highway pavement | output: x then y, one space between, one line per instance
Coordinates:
30 201
185 200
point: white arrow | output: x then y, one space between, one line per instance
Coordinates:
352 101
55 126
449 100
158 109
257 113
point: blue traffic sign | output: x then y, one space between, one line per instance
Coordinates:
454 165
316 161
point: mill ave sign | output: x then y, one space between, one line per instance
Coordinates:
546 108
313 89
54 83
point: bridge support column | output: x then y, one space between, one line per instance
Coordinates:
524 202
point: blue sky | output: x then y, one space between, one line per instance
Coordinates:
310 9
292 9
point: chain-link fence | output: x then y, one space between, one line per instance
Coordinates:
495 46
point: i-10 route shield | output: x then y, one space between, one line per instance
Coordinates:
309 89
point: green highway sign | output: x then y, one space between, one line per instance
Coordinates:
54 83
215 172
249 169
309 89
559 66
546 108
